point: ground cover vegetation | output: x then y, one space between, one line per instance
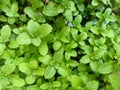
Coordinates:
59 44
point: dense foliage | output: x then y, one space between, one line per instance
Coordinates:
59 44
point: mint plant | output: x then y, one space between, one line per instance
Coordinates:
59 44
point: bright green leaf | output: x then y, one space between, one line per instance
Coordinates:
49 72
8 69
17 81
52 9
57 45
5 35
76 81
44 30
2 48
45 86
85 59
33 64
32 27
114 81
105 68
33 87
23 39
92 85
68 15
36 41
30 79
95 2
43 48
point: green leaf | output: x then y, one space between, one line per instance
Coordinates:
13 44
95 30
56 84
107 12
23 67
73 63
85 59
114 81
95 2
43 48
77 21
82 36
81 7
36 3
76 81
58 55
108 33
3 18
98 53
52 9
71 5
32 27
40 71
45 86
17 81
23 39
33 87
68 15
33 64
45 59
92 85
30 79
36 41
105 68
63 71
2 48
32 14
5 35
44 30
11 20
94 66
99 15
49 72
12 12
8 69
74 33
57 45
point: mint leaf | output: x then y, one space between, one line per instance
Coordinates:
76 81
8 69
92 85
17 81
30 79
32 27
114 81
95 2
52 9
33 87
44 30
23 67
12 12
43 48
45 86
49 72
2 48
68 15
36 41
5 36
56 84
23 39
57 45
85 59
33 64
63 71
105 68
